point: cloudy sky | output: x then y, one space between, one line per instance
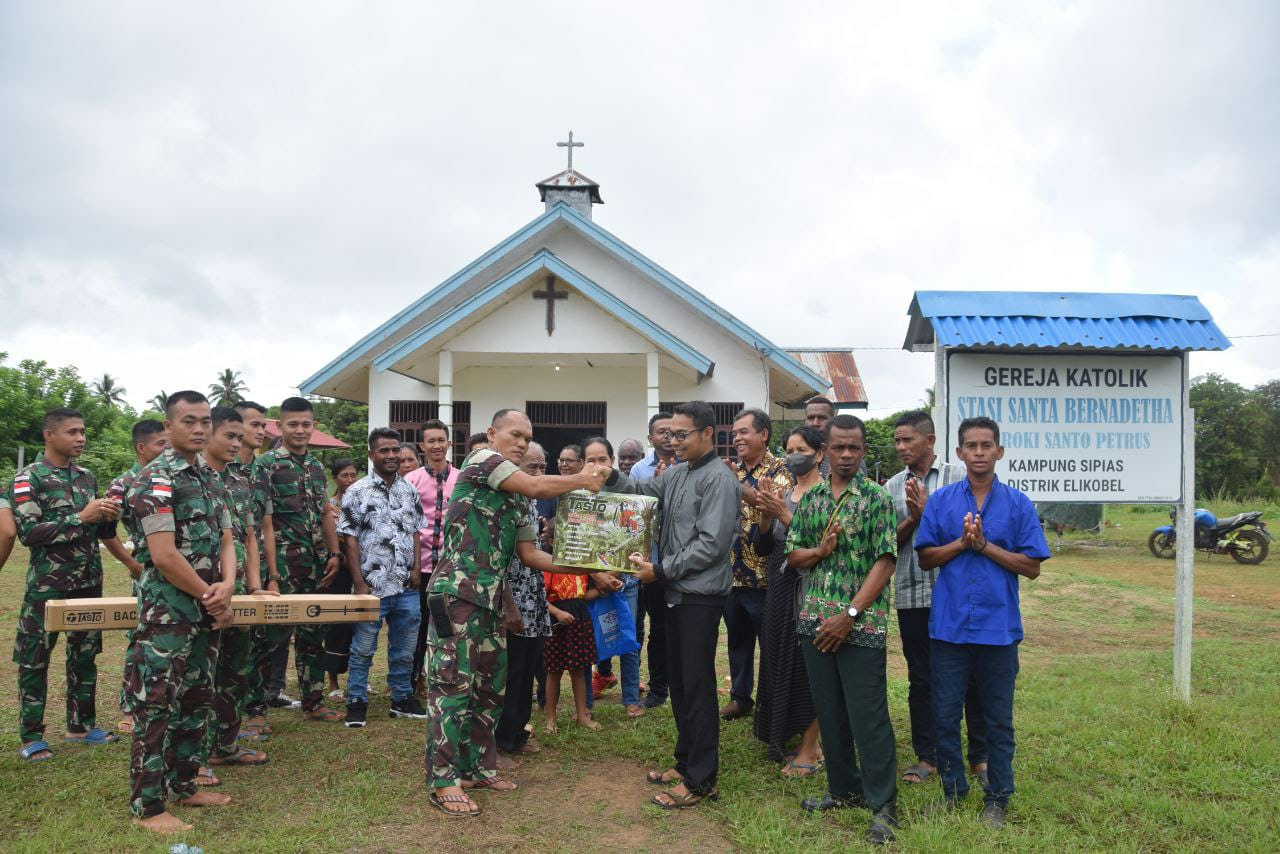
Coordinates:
188 187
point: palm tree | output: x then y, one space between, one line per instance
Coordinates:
159 402
107 391
228 389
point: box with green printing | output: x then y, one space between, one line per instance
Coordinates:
601 531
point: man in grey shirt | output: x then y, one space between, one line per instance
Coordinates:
699 501
914 440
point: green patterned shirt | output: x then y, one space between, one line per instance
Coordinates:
237 478
294 495
480 531
868 528
46 508
172 495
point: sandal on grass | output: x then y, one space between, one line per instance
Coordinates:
441 802
800 770
242 756
29 752
672 801
206 780
920 772
324 714
663 778
94 736
496 784
125 726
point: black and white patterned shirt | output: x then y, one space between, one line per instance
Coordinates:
530 592
385 521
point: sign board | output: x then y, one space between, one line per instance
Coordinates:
600 531
1078 428
121 612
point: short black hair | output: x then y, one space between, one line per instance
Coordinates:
383 433
243 406
979 423
820 399
503 413
54 417
577 449
661 416
812 436
435 424
917 420
760 420
185 396
145 428
596 440
477 439
295 404
336 467
699 412
844 421
223 414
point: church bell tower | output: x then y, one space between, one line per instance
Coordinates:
570 186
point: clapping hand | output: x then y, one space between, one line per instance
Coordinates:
917 497
974 537
828 544
772 504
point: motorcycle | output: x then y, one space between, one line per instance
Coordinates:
1244 536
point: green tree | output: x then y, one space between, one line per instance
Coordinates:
343 420
159 402
1230 423
228 389
108 391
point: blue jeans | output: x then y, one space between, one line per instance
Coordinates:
631 661
994 670
403 614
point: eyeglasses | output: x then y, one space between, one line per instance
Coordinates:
662 432
681 435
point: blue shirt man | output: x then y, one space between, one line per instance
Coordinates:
981 535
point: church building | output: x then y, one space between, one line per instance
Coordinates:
583 332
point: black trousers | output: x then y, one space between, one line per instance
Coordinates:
692 632
524 657
653 603
913 625
744 622
420 650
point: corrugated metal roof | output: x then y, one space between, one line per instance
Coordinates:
1078 320
841 371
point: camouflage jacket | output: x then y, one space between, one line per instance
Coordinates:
189 501
46 507
118 491
238 479
481 530
295 496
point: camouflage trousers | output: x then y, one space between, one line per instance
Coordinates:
32 652
170 692
230 680
466 676
308 648
128 645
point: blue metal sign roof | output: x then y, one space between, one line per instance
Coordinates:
1095 321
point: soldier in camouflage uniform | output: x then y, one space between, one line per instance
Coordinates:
301 541
149 441
184 595
60 518
487 525
8 531
232 676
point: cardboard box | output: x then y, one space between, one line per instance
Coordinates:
121 612
602 531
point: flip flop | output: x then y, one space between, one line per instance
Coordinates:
439 801
324 714
492 783
242 756
94 736
660 778
33 748
680 802
921 772
809 770
206 774
125 726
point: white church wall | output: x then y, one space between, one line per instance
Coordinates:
385 387
520 327
621 388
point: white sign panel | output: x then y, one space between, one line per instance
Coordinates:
1076 428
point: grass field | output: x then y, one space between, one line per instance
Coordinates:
1107 758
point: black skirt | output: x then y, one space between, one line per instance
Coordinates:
784 708
571 647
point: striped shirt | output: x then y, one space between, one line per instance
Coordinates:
913 586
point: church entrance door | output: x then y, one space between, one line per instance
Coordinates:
557 423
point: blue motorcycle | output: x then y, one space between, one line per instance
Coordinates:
1244 536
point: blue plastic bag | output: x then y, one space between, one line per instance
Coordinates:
614 625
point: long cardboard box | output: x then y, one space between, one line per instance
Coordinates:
121 612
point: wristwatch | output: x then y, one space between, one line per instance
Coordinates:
853 612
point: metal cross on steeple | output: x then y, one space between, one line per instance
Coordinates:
571 145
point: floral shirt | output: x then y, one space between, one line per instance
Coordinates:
384 518
868 530
750 568
529 592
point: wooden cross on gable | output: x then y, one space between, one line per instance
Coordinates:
551 295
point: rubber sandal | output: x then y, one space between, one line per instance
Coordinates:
791 774
635 710
920 770
439 801
33 748
125 726
323 715
681 802
205 779
242 756
94 736
660 778
492 784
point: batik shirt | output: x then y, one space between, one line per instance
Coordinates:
751 569
385 520
46 508
868 530
189 501
529 591
481 530
238 479
295 496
